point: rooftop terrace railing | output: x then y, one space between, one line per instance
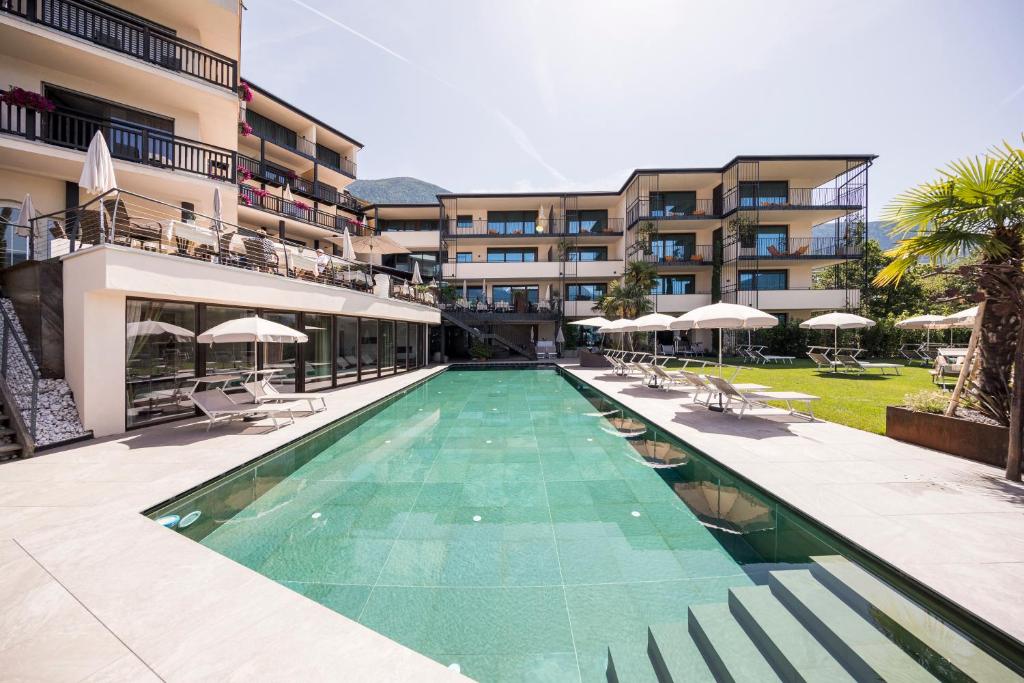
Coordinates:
299 210
129 220
128 34
482 227
847 197
127 142
699 255
645 208
279 176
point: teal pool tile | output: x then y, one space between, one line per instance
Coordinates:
611 491
395 495
589 560
600 613
625 519
405 615
652 489
347 600
646 558
447 471
530 563
426 525
473 563
503 494
561 470
526 523
569 493
244 547
435 496
415 562
328 559
378 522
707 563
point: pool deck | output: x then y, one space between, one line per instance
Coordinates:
954 525
92 591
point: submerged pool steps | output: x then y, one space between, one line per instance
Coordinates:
808 625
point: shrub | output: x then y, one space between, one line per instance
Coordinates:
926 402
480 351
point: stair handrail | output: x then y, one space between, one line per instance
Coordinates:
26 432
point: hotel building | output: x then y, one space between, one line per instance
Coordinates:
161 82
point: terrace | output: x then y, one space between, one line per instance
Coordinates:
532 228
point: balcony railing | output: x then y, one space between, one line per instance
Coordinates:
646 209
532 228
503 310
700 255
126 142
319 191
121 32
298 210
846 197
800 248
133 221
275 133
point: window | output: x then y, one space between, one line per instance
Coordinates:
515 293
281 357
586 292
673 203
761 280
159 360
511 255
15 246
318 350
764 193
411 225
347 349
676 248
475 293
328 157
587 254
406 262
464 257
272 131
401 346
587 221
782 317
387 347
511 222
675 284
772 240
367 348
464 221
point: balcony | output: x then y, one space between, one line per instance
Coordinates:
318 191
644 209
297 210
480 227
500 270
127 142
480 311
848 198
799 299
285 138
799 248
129 35
700 255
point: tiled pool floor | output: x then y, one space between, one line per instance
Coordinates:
486 520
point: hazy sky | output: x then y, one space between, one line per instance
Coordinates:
520 95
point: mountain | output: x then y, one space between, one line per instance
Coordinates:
396 191
877 230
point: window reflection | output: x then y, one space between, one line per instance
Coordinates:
159 360
347 357
281 357
368 348
318 351
236 358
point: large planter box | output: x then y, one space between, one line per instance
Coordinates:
593 360
971 440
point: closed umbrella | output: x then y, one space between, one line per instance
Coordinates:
560 337
465 291
25 217
723 316
417 279
542 221
218 208
927 323
837 321
347 251
98 172
286 193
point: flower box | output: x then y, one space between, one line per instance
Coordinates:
964 438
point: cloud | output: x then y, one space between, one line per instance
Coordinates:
1012 96
516 132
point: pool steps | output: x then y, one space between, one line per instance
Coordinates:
807 625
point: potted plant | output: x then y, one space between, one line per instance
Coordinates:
25 99
244 129
244 91
480 351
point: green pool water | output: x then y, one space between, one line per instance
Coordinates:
497 521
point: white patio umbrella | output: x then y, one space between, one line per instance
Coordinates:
286 193
252 329
622 325
654 322
417 279
836 321
560 337
964 318
379 244
98 172
926 322
542 220
591 322
723 316
25 217
465 291
218 208
347 251
146 328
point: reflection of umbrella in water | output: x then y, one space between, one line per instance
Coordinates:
147 328
626 427
660 453
725 508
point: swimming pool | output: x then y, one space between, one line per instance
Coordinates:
520 526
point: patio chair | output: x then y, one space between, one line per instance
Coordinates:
909 351
851 363
668 349
260 255
766 358
702 384
753 399
263 391
943 370
824 362
218 406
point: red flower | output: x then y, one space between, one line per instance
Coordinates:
301 206
244 92
261 194
244 173
27 100
245 129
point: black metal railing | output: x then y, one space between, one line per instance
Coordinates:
497 310
299 210
17 359
799 248
645 208
129 35
845 197
532 228
343 165
279 176
699 255
126 142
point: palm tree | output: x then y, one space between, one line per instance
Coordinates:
631 296
976 206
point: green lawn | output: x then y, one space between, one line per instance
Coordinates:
856 400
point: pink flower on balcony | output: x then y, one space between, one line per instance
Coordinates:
244 173
27 100
245 129
261 194
301 206
244 199
244 91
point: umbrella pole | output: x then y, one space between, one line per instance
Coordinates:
719 351
835 343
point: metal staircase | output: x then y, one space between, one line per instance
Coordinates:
468 321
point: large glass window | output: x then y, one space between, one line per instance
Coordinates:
512 222
764 193
464 221
772 240
159 360
415 339
513 294
464 257
587 221
588 254
348 349
409 225
667 204
474 293
761 280
318 351
512 255
368 348
281 357
406 262
586 292
675 247
402 346
387 346
15 246
675 284
237 358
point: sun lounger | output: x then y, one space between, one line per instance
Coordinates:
217 405
265 392
753 399
824 362
766 358
851 363
702 385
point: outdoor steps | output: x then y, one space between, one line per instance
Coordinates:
726 647
947 649
675 656
858 645
626 665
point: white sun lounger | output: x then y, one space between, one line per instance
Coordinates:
218 406
751 399
702 384
762 357
852 363
824 362
265 392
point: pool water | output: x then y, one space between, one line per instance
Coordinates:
505 521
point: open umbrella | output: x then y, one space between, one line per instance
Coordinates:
654 322
379 244
924 322
591 322
417 279
251 329
836 321
25 217
147 328
964 318
98 172
723 316
622 325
